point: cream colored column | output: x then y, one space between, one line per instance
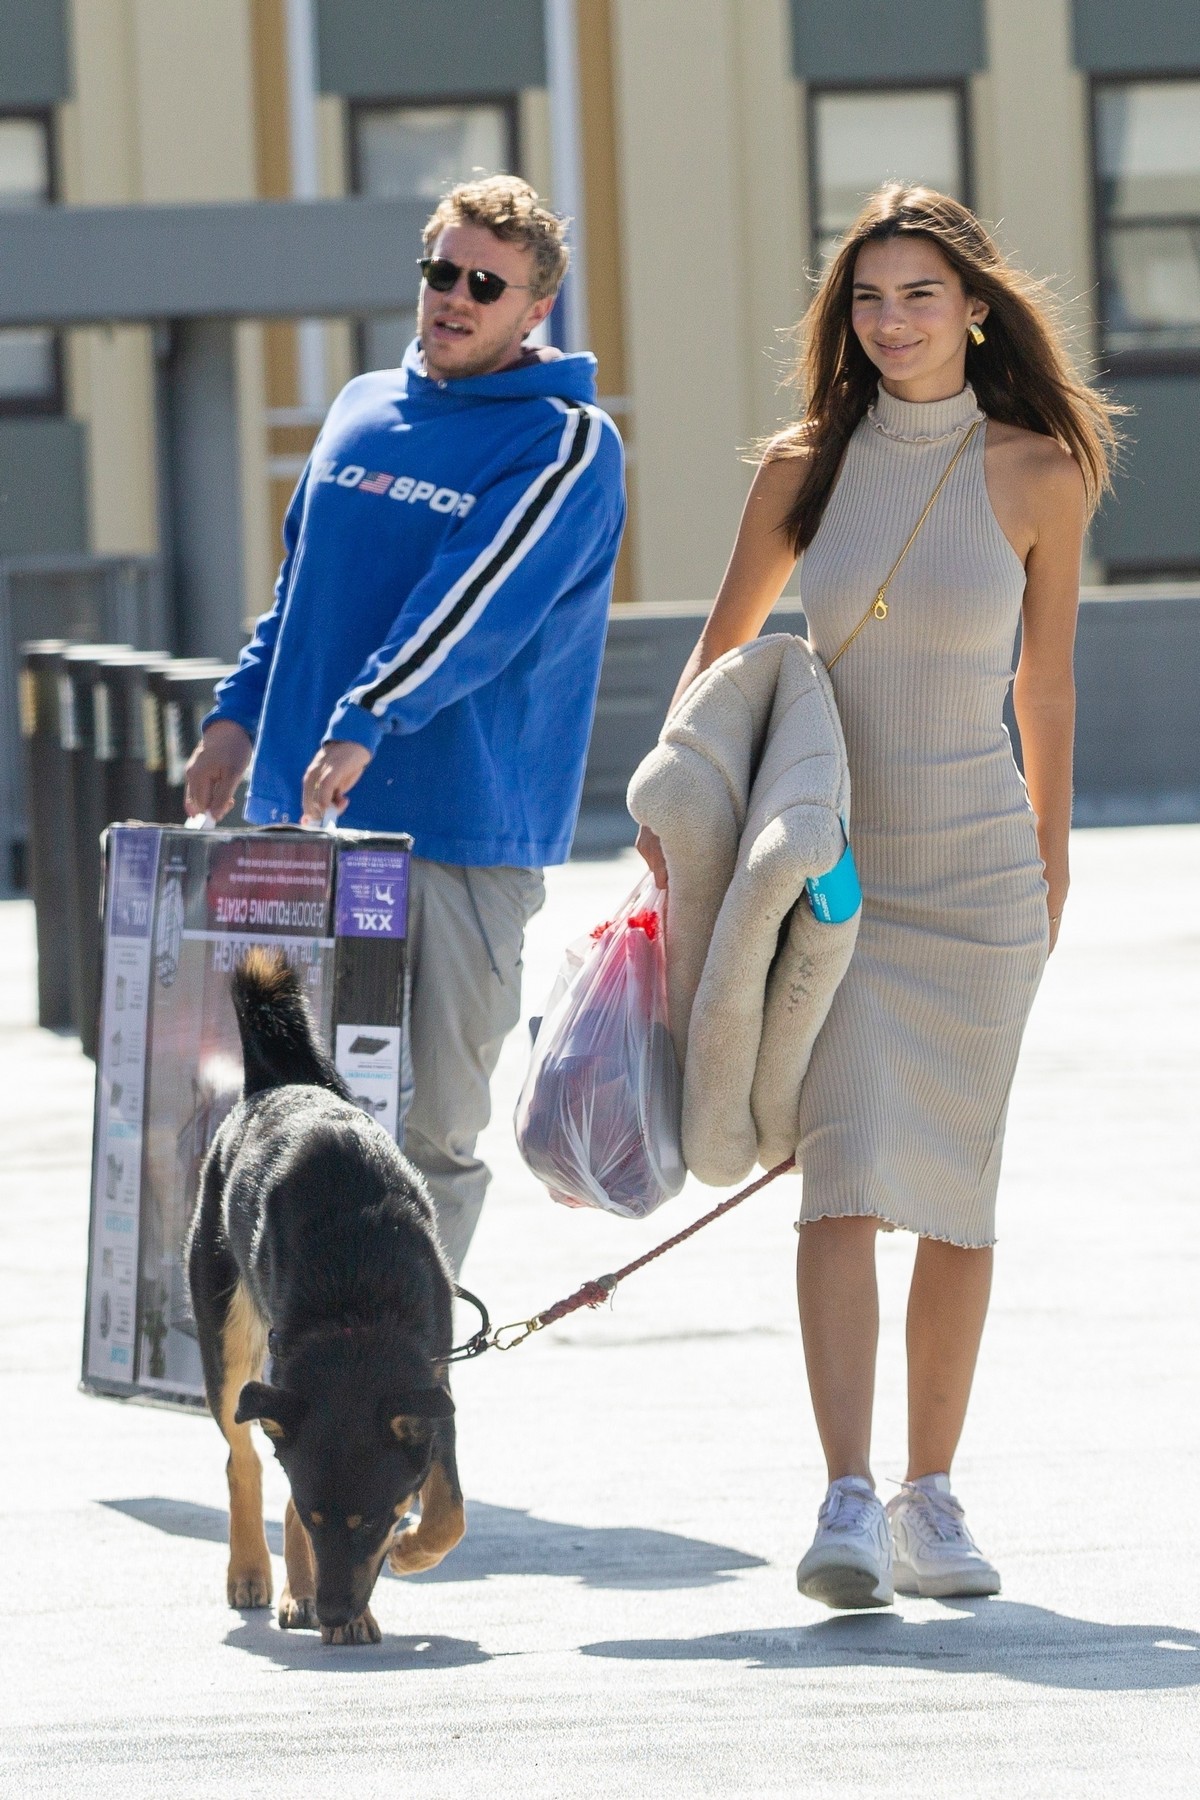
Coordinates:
110 371
195 98
1032 135
195 91
772 214
533 133
678 156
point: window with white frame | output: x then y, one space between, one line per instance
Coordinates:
415 153
1147 139
29 366
862 137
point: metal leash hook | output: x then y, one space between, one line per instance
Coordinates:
524 1327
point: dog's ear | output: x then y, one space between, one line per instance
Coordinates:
410 1414
278 1412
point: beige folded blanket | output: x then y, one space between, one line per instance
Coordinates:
749 792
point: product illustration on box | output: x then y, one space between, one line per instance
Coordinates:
181 909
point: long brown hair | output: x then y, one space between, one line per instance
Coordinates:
1021 372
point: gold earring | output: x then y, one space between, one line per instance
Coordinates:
976 334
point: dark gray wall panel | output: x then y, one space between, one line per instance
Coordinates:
35 65
1153 519
83 264
425 49
199 482
42 494
1116 37
1137 731
643 655
877 40
1137 737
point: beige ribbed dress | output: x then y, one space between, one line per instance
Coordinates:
902 1111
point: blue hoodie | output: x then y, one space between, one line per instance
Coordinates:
443 601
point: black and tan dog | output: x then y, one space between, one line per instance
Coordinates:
313 1241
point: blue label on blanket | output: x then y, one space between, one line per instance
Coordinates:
836 897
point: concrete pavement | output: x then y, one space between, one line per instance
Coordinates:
622 1618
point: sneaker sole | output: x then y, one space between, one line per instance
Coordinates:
965 1585
844 1587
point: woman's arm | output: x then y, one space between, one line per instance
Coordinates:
1044 688
758 570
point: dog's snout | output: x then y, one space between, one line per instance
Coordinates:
334 1614
344 1598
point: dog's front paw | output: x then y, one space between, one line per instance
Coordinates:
409 1554
297 1614
362 1630
245 1588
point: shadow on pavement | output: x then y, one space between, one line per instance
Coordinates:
505 1540
259 1634
184 1518
995 1637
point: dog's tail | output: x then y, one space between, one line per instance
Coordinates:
279 1042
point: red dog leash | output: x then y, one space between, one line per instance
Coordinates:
595 1293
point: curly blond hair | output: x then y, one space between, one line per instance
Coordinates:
510 208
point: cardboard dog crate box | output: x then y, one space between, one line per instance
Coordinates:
180 908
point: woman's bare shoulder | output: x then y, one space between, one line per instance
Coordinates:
1042 465
783 465
1043 457
777 481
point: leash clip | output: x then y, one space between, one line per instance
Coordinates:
525 1329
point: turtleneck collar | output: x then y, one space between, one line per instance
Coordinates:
923 421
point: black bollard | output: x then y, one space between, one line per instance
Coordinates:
49 857
126 706
184 694
87 802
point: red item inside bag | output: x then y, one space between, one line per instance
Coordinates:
598 1119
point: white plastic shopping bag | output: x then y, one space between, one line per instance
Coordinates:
598 1119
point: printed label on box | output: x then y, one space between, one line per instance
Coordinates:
367 1057
134 866
217 898
372 894
120 1105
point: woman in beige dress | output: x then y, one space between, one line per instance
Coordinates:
926 356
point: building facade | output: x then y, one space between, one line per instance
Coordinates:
197 199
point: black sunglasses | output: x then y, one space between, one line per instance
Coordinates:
442 276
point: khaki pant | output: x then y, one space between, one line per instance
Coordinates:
466 929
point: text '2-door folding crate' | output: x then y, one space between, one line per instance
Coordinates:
180 909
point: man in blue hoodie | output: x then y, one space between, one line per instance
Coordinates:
431 660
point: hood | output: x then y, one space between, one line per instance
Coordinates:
557 378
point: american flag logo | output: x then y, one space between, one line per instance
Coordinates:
375 483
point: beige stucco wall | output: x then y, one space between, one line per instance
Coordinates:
712 202
712 218
1031 145
110 371
163 112
770 203
195 100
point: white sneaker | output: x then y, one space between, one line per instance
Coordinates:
936 1556
850 1563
